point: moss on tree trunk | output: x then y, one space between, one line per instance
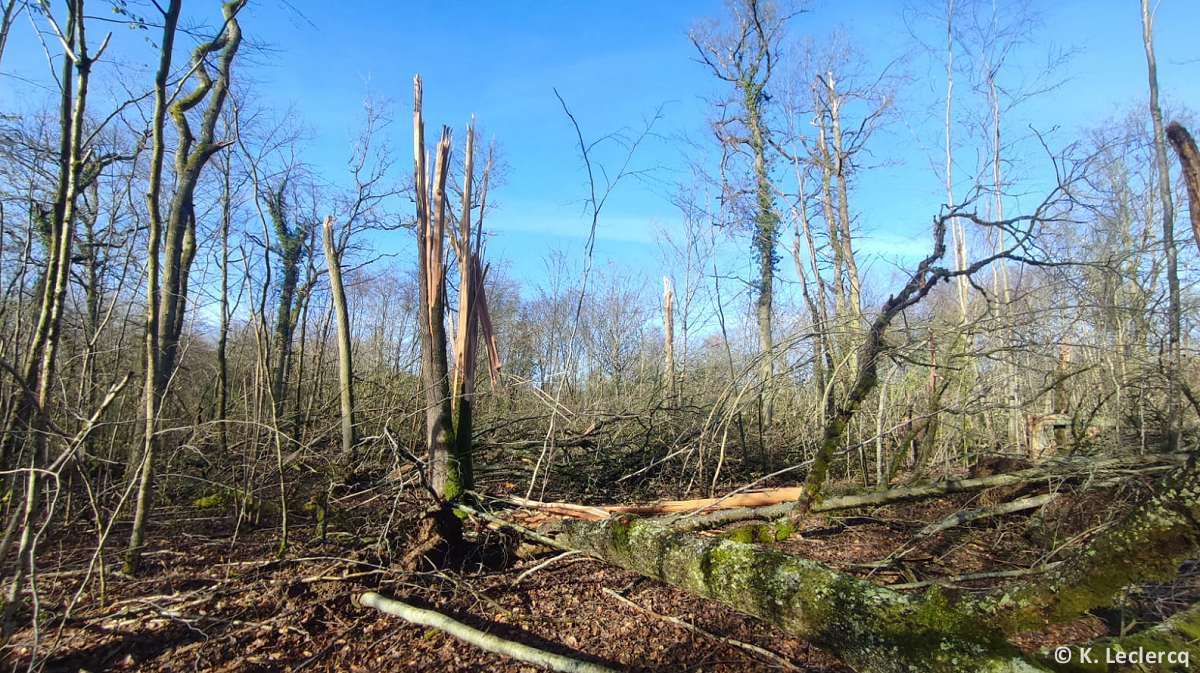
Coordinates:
870 627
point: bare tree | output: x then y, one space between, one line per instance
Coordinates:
173 238
745 58
57 221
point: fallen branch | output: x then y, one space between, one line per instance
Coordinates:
965 516
1068 470
949 582
511 527
486 641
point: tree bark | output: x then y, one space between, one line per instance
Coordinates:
1174 408
174 239
869 627
1189 158
668 343
431 276
873 628
345 363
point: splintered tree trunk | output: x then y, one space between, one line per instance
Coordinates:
668 342
345 365
1060 396
431 275
1189 158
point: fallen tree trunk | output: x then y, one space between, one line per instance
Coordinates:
869 627
873 628
779 502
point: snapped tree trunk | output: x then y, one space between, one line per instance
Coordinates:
345 364
1189 158
431 279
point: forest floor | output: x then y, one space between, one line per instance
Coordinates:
216 598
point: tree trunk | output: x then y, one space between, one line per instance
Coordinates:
167 297
431 275
152 397
668 343
1171 252
291 241
1189 158
222 410
869 627
843 240
38 385
345 365
873 628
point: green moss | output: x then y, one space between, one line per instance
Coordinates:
213 501
317 509
761 533
620 530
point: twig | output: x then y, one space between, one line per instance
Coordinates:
544 564
754 649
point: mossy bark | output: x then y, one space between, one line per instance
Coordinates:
1149 544
870 627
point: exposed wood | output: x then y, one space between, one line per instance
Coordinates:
777 502
431 304
1189 159
487 641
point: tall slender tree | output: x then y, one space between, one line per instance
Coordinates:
172 239
1170 250
745 58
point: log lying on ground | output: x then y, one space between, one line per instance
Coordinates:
869 627
778 502
1147 545
487 641
873 628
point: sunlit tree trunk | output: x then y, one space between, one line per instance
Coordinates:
38 381
1171 252
345 363
174 238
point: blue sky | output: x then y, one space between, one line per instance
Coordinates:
615 63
